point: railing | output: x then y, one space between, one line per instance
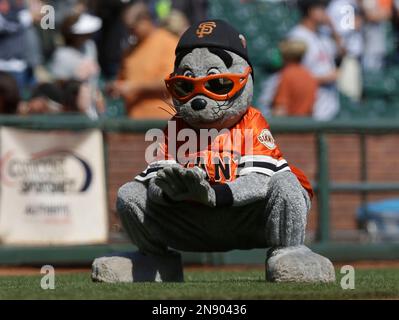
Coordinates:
323 185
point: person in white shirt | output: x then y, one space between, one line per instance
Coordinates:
347 22
77 59
320 56
346 18
377 16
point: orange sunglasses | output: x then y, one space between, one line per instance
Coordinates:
217 86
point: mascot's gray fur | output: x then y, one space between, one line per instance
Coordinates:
268 212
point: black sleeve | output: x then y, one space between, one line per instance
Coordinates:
224 196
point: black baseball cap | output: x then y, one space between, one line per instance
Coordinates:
213 34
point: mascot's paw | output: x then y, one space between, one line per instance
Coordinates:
137 267
298 264
181 184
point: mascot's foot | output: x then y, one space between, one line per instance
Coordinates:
137 267
298 264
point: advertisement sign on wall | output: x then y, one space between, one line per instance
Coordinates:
52 188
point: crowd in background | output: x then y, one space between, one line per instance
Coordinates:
332 46
123 49
97 49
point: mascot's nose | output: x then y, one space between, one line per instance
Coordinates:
198 104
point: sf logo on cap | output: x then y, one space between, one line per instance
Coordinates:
205 29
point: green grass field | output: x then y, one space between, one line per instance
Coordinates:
370 284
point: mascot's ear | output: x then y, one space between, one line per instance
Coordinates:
180 57
224 55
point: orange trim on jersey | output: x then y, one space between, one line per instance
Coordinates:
303 180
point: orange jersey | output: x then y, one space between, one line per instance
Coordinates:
248 147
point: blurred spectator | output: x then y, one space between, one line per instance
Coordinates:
377 13
34 53
297 88
71 96
141 78
77 98
72 91
176 22
395 25
347 26
78 58
268 93
346 19
113 38
49 39
9 94
194 10
64 8
45 98
15 20
320 56
41 42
